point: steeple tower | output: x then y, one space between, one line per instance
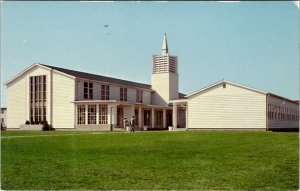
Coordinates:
165 49
164 76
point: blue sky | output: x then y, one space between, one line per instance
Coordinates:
251 43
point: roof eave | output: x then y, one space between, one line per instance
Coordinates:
24 71
225 81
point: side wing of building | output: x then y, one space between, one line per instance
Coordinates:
227 106
282 113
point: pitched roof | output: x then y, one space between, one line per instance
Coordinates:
280 97
226 82
88 76
96 77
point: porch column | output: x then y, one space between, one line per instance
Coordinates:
86 114
75 115
186 116
140 117
97 114
152 117
164 118
112 115
174 115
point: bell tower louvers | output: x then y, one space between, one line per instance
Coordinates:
164 76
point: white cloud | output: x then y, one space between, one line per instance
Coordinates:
296 3
24 41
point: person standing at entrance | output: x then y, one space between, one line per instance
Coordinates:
132 120
125 123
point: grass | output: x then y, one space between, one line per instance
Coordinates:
150 160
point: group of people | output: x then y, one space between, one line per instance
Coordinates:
130 123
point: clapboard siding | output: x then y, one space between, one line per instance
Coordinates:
18 97
16 103
114 92
63 97
230 107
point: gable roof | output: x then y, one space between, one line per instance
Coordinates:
96 77
24 71
88 76
225 82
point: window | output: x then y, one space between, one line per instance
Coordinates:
147 117
269 111
275 112
123 94
139 96
102 114
88 90
91 114
104 92
159 118
81 114
38 99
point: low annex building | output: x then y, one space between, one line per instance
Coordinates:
69 99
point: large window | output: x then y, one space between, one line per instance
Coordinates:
38 99
91 114
88 90
139 96
123 94
102 114
81 114
104 92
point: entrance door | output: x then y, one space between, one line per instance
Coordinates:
120 117
169 118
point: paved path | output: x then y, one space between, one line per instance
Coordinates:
67 134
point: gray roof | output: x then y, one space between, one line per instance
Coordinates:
96 77
100 78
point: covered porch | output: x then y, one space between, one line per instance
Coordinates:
180 114
108 115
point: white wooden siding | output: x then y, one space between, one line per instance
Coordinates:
114 92
147 97
16 110
18 97
63 96
230 107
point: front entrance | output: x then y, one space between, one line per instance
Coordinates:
120 116
169 118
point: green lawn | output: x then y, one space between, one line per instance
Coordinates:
203 160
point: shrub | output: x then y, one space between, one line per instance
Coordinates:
3 127
27 123
47 127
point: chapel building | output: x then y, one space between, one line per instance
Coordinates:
76 100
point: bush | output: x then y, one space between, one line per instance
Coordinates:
3 127
47 127
27 123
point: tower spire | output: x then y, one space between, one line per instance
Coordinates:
165 49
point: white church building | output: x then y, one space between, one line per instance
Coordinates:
76 100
